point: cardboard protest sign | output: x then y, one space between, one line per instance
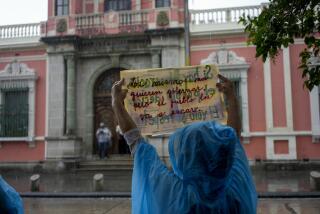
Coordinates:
162 100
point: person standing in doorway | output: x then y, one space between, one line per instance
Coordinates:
103 135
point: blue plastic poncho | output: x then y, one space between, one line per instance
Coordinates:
10 201
210 174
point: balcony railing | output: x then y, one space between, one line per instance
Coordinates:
124 21
86 21
223 15
20 31
128 22
133 19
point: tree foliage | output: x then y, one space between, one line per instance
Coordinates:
280 22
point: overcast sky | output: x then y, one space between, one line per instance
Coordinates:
30 11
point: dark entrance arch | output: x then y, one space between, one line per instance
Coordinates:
103 109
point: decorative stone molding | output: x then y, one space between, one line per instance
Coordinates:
271 155
61 25
17 71
224 57
162 19
234 68
18 75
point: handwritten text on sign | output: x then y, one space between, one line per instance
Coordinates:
161 100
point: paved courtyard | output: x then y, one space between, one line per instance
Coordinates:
123 206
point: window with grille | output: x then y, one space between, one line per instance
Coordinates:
236 84
162 3
62 7
117 5
14 117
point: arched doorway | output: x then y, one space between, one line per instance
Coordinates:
102 106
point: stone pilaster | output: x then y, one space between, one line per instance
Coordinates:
155 57
71 96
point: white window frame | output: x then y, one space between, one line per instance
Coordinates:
234 68
17 73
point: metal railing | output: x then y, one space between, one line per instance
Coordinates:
14 116
20 31
223 15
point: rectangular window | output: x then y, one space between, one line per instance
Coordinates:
162 3
238 95
117 5
14 113
62 7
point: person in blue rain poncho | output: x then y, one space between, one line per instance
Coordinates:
10 201
210 169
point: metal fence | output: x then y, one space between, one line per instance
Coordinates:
14 116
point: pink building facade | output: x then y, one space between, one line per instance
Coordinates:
62 71
280 117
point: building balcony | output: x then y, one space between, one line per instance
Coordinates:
222 20
111 23
202 22
21 34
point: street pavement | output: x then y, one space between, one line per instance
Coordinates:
123 206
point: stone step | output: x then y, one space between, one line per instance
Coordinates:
106 164
113 163
93 169
114 157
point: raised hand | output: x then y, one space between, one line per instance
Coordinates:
118 94
226 86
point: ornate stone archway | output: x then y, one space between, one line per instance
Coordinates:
90 108
103 111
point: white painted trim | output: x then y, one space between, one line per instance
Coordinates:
315 114
16 71
277 134
19 43
174 24
152 25
32 104
218 46
292 155
268 93
39 138
11 139
96 6
138 5
244 101
230 45
26 139
257 134
47 108
23 58
287 87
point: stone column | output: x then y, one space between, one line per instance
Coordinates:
71 96
155 57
